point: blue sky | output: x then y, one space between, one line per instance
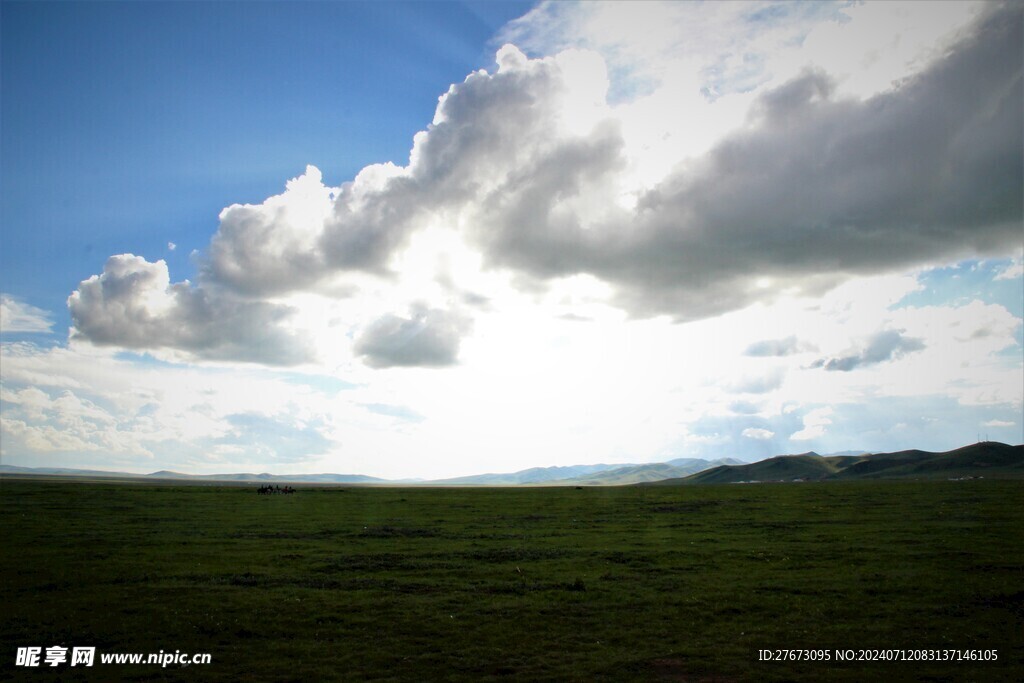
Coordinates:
435 239
129 125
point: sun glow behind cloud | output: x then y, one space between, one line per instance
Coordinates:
630 245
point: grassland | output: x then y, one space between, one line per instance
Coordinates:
674 583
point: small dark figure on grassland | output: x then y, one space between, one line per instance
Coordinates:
268 489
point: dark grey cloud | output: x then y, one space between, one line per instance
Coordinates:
528 222
132 305
363 234
428 338
777 347
884 346
814 190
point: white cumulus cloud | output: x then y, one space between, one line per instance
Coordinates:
133 305
815 423
534 170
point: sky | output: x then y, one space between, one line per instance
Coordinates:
424 240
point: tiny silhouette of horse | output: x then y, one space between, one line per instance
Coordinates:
267 490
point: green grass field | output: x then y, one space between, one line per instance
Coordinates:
668 583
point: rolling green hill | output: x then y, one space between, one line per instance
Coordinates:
986 459
534 475
650 472
780 468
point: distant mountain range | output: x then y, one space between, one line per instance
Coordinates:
983 459
166 474
576 475
592 475
986 459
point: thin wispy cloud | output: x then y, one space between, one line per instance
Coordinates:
18 316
